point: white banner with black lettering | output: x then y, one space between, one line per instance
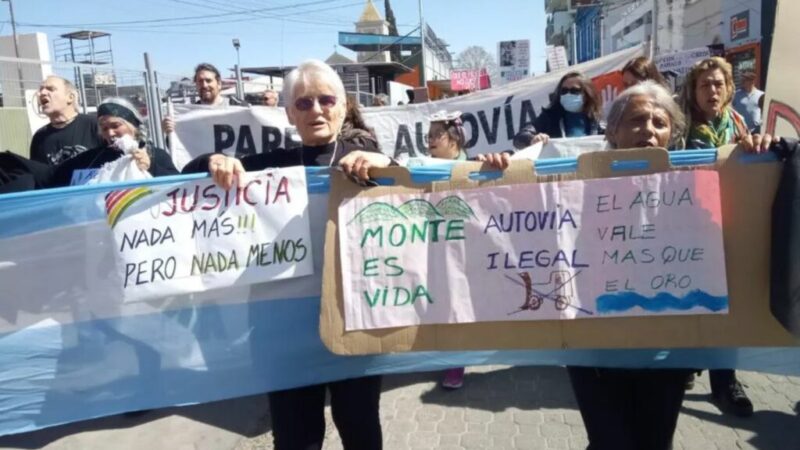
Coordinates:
492 117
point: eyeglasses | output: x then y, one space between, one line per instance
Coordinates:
573 90
434 136
306 103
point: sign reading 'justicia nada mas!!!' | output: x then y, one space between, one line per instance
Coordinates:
641 245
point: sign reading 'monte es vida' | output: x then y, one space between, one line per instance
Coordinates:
195 236
640 245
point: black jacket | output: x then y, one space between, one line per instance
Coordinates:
298 156
160 163
19 174
549 123
785 259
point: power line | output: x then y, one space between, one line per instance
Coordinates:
172 19
261 15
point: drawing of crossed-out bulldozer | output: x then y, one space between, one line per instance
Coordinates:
559 289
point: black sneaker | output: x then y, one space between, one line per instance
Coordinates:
734 400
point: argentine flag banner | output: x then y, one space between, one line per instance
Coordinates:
131 296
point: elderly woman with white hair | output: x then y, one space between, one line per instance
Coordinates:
315 105
120 127
628 409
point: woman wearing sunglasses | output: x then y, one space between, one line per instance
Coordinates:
574 111
315 105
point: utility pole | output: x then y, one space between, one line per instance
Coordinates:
239 85
16 49
422 82
654 33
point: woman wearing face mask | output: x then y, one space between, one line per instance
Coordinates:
121 128
574 111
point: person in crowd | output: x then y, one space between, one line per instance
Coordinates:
355 131
746 101
446 137
706 99
315 105
69 133
270 97
121 131
574 111
208 82
380 100
446 140
641 69
631 409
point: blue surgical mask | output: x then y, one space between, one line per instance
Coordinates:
572 102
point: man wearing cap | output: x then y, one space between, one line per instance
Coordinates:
68 133
745 101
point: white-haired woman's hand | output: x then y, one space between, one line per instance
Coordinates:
357 163
141 158
225 170
496 160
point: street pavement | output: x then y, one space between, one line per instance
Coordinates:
499 407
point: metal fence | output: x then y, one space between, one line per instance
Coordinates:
20 80
146 89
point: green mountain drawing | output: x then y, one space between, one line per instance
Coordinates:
419 208
378 212
454 206
449 207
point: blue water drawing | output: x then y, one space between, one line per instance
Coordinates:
663 301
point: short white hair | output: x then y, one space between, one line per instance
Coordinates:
660 97
312 70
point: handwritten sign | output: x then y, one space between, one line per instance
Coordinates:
628 246
195 236
469 79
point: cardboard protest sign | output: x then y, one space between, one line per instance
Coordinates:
194 236
745 193
642 245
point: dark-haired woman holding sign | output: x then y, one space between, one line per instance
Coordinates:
574 111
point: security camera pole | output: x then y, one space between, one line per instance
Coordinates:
239 86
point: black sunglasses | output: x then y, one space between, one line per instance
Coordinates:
306 103
573 90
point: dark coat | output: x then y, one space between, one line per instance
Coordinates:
19 174
298 156
549 123
160 163
785 258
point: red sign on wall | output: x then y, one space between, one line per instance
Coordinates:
740 25
469 80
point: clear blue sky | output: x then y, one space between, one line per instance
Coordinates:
283 34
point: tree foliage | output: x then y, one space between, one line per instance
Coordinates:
395 52
477 57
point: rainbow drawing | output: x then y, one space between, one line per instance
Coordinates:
119 201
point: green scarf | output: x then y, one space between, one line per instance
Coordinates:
716 133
